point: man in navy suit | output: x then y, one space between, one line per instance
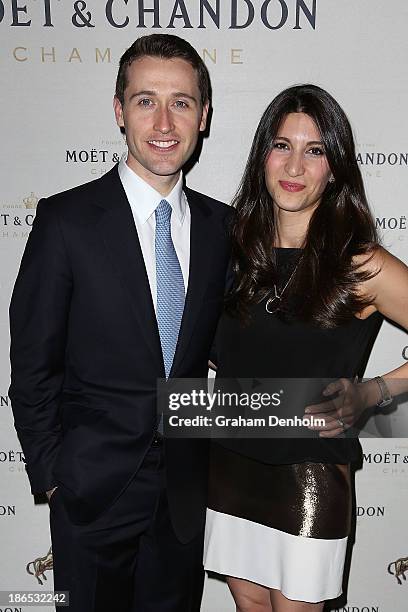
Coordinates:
121 284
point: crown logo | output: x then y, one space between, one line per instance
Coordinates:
30 201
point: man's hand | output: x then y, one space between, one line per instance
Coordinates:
340 412
50 493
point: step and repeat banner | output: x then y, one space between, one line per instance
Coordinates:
59 61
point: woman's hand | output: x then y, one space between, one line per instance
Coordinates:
342 411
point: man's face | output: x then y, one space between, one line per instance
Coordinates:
162 116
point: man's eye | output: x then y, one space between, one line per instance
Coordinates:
181 104
144 102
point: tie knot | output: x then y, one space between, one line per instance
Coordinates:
163 212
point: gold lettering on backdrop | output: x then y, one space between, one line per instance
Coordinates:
236 56
74 55
17 51
99 56
212 56
45 54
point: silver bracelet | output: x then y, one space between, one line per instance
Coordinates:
386 397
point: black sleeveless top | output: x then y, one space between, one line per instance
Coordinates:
270 346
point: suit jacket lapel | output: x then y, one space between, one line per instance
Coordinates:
117 229
199 270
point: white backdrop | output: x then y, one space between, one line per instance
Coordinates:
58 67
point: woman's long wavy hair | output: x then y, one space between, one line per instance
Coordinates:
340 228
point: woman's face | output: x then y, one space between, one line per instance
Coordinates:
296 169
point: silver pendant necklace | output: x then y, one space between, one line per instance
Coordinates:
273 303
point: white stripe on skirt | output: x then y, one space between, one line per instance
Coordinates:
302 568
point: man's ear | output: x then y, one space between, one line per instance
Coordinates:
117 107
204 116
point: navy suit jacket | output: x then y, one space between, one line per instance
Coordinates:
86 354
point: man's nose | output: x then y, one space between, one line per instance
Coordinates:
163 120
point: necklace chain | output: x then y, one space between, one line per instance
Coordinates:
273 303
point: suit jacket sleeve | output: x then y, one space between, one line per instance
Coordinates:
39 313
229 280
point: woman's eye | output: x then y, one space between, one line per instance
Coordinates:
280 146
316 151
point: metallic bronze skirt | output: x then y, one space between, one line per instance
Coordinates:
304 499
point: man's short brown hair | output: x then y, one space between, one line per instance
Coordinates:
166 46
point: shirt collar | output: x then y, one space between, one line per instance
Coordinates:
144 200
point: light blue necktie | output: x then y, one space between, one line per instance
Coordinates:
170 286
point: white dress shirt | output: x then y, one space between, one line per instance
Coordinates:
143 200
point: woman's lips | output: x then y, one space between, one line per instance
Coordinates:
293 187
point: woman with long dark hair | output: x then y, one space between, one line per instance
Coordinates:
311 286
